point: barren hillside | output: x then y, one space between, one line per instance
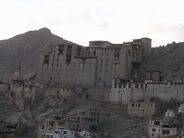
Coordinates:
27 49
169 59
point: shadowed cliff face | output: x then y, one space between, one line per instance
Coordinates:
168 59
27 49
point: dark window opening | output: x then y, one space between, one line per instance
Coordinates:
60 49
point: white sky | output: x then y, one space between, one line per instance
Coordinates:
83 20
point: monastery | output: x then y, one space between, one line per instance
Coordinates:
93 66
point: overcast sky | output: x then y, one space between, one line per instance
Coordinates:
83 20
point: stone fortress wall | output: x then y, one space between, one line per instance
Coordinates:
125 92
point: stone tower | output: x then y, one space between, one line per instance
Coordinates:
147 46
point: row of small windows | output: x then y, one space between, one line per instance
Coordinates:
129 85
137 85
79 67
163 131
142 105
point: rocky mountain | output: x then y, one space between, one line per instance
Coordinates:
27 49
168 59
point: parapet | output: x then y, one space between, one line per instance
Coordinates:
122 84
99 43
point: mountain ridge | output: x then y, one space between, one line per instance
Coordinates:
27 49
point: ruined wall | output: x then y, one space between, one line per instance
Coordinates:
23 94
15 94
137 91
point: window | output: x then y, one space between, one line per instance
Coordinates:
124 85
43 126
165 131
142 85
94 53
153 129
156 122
100 80
64 132
68 58
69 46
117 53
129 85
60 49
136 85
